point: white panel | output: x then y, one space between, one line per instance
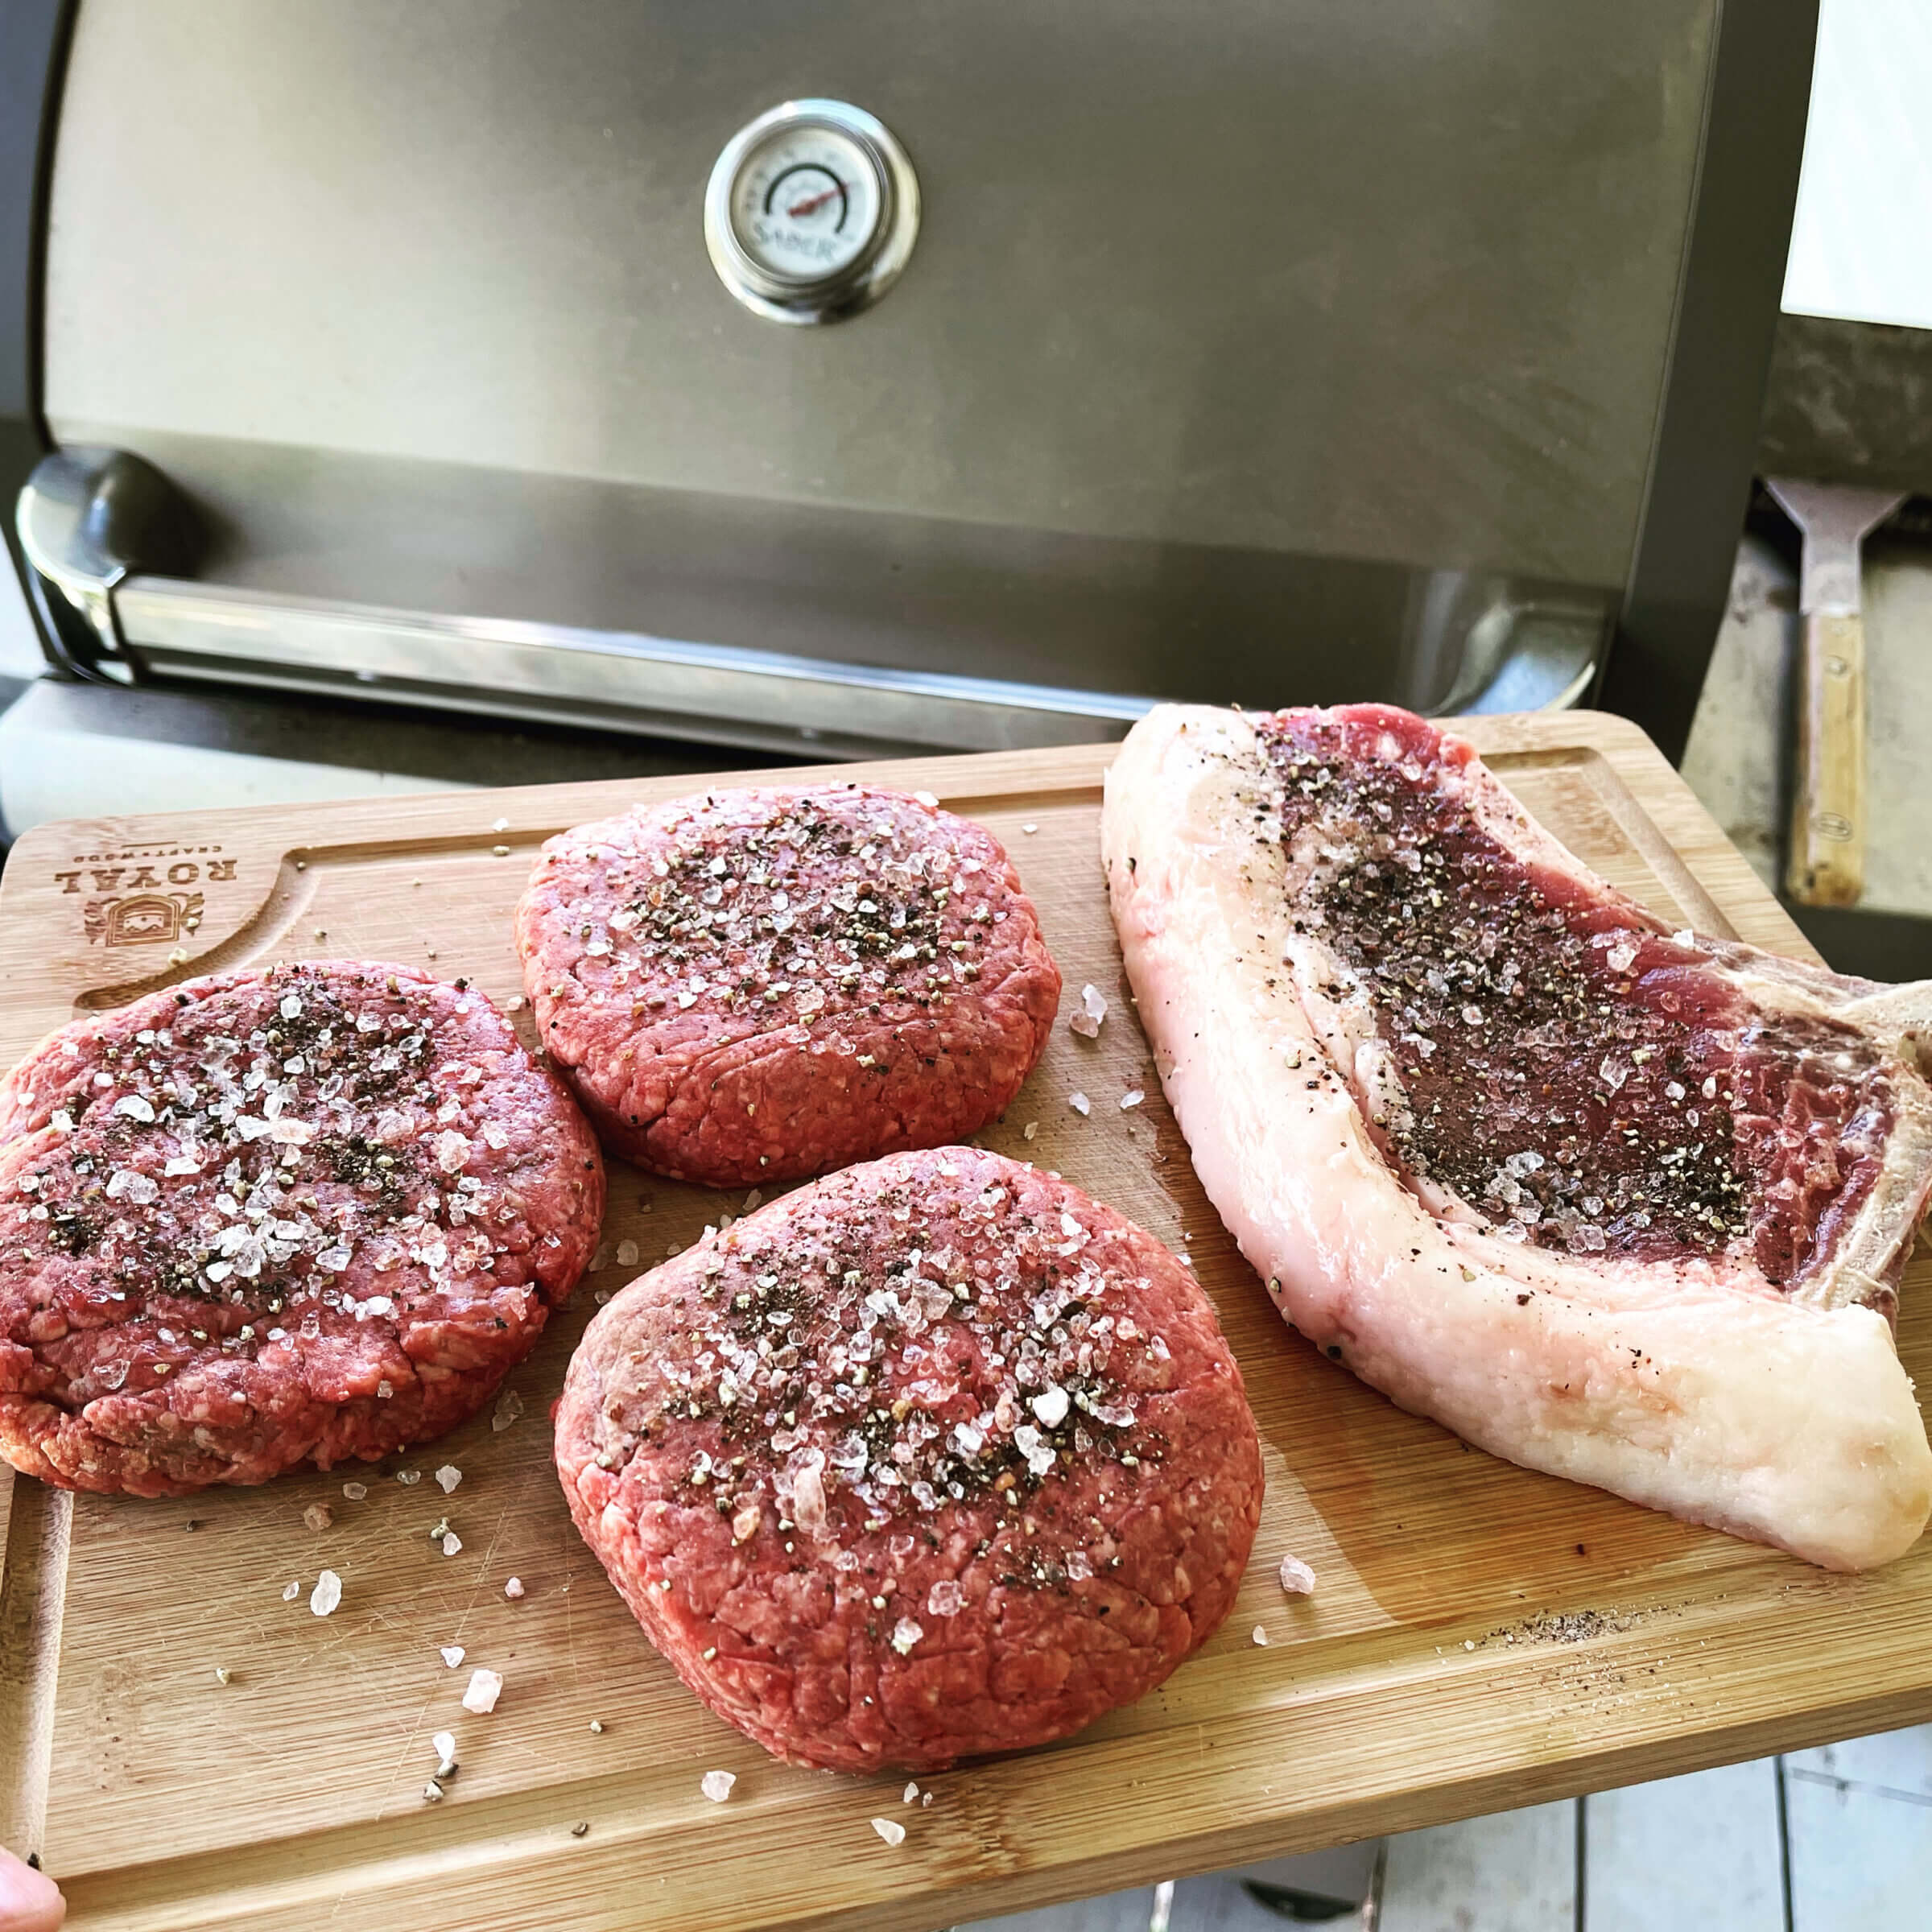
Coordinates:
1117 1912
53 774
1343 1872
1858 248
1735 759
1697 1854
1860 1861
1513 1872
20 654
1892 1760
1898 707
1223 1903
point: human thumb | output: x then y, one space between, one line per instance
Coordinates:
30 1901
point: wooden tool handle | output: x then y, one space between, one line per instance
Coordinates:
1827 862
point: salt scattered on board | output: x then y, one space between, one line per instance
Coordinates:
717 1785
486 1687
891 1829
1092 1015
327 1593
1079 1103
510 1405
1261 1635
513 1588
1131 1098
293 1591
447 1477
1297 1580
453 1654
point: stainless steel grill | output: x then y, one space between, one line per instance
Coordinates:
1277 353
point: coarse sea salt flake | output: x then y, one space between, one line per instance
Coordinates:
927 798
355 1491
1079 1103
514 1589
905 1634
453 1654
909 1794
891 1829
1050 1407
486 1687
327 1593
1088 1020
443 1744
717 1785
447 1477
453 1544
1131 1098
293 1591
510 1405
1261 1635
627 1254
1297 1580
1031 1128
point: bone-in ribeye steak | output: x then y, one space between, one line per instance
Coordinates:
1627 1205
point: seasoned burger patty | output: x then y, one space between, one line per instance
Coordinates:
761 985
934 1457
265 1218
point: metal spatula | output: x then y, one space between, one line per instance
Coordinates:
1826 863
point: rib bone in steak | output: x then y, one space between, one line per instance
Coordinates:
1627 1205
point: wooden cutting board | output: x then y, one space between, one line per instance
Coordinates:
1480 1637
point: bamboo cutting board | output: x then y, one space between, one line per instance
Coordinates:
1480 1637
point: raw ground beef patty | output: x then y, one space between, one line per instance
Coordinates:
270 1217
760 985
936 1456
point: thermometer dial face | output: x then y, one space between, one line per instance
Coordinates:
806 204
811 212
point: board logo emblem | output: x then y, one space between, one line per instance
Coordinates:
142 920
140 895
